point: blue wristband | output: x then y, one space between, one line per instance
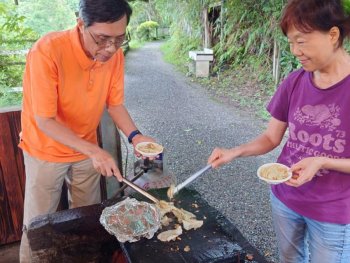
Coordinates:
132 135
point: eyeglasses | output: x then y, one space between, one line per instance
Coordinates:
105 43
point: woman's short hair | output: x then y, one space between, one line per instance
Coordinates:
321 15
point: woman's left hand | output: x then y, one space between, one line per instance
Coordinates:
305 170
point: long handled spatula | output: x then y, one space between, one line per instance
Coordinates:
173 190
140 190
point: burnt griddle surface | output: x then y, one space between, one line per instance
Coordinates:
217 240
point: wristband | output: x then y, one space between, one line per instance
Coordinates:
132 135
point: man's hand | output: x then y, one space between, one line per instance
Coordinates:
305 170
104 163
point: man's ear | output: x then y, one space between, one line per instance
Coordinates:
80 23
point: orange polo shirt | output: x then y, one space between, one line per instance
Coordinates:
61 81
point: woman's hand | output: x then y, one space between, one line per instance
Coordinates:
221 156
305 170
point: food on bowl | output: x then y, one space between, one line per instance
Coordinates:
274 172
149 148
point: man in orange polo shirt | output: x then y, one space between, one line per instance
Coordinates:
70 77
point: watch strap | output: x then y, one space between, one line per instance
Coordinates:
132 135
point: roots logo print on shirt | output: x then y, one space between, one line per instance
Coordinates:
316 131
321 115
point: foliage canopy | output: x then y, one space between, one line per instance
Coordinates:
245 32
147 30
13 36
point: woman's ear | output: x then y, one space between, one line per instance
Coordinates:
334 34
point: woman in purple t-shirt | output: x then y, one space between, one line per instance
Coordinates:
311 212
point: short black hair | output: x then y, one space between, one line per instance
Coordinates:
321 15
103 11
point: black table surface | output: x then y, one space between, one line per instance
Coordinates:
76 235
218 240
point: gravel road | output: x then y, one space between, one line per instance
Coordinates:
189 122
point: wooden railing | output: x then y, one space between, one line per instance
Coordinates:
12 176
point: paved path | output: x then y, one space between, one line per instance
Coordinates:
185 118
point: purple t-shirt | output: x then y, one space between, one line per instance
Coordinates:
319 125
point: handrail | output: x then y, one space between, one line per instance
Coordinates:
11 108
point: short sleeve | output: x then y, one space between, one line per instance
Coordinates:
278 107
43 83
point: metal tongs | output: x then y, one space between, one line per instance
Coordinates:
140 190
190 179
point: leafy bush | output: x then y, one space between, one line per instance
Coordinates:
44 16
13 36
246 31
176 52
147 30
10 76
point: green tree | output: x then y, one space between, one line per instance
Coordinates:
73 5
147 30
13 36
184 17
248 31
45 16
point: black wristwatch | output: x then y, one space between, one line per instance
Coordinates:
132 135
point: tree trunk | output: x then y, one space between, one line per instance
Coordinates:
276 61
207 34
16 2
222 17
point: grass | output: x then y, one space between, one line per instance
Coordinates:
247 88
136 44
179 60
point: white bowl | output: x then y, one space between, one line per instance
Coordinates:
264 170
149 149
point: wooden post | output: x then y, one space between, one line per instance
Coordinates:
276 61
278 69
222 17
207 34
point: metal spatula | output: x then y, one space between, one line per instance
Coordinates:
190 179
140 190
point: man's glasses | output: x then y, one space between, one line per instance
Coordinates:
105 43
